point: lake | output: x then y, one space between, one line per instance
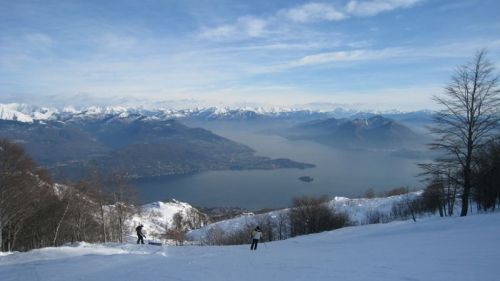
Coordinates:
337 173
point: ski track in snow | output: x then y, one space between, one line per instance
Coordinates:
432 249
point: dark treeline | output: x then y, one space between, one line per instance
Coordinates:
307 215
445 188
312 215
486 177
36 213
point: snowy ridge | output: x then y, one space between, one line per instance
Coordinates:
26 113
433 249
11 112
358 210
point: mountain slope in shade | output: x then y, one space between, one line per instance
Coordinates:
135 146
372 132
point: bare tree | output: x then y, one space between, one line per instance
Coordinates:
100 197
18 186
84 213
468 119
369 193
61 220
282 221
25 191
177 229
487 177
312 215
124 199
214 236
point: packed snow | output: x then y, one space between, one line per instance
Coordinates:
458 248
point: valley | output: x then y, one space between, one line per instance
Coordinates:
249 158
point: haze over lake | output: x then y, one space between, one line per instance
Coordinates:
337 173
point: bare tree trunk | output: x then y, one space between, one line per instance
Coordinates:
103 222
1 236
60 222
14 236
465 196
120 225
8 239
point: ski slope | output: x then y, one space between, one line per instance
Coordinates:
432 249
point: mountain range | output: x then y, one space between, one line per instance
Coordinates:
372 132
156 142
135 145
26 113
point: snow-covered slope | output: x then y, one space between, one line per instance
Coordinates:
359 211
26 113
157 216
458 249
12 112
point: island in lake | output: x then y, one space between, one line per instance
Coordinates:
306 179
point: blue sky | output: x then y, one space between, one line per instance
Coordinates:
380 54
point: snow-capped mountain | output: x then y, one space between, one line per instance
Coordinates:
22 113
371 132
26 113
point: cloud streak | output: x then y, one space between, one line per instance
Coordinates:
374 7
313 12
330 58
298 52
245 27
346 56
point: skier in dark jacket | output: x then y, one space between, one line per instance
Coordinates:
140 235
256 235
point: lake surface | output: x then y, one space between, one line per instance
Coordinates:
337 173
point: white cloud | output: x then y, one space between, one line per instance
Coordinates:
374 7
219 32
245 27
342 56
313 12
252 27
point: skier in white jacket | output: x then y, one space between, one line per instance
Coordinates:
256 235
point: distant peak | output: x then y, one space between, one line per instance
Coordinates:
27 113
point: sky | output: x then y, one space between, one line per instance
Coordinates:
380 54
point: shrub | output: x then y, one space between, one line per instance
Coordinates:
395 191
312 215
